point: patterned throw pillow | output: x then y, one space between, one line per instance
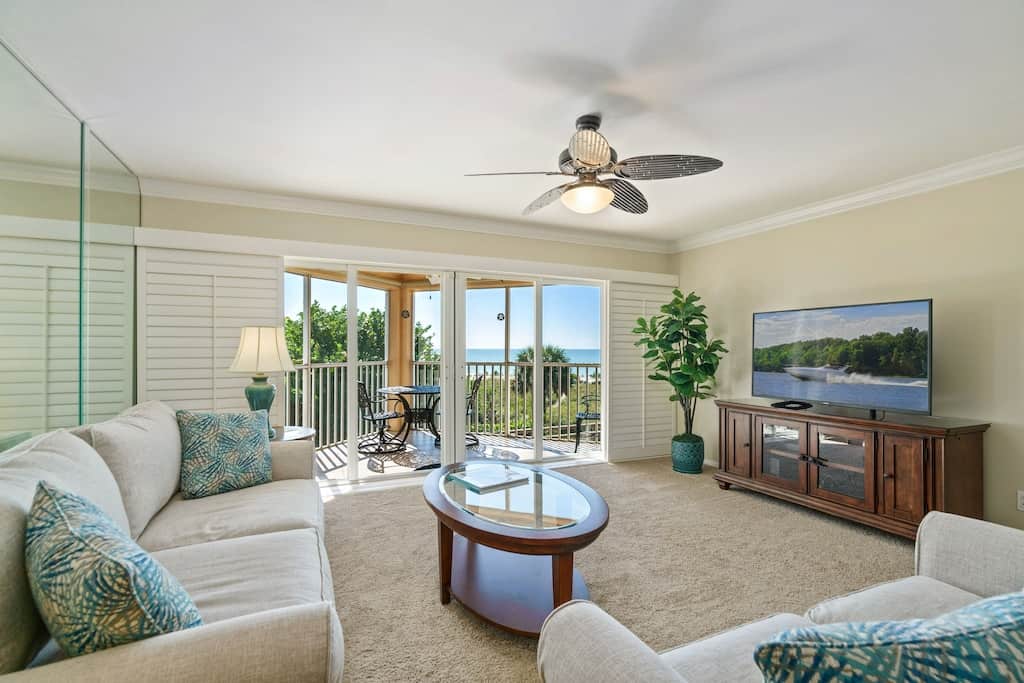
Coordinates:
93 585
980 642
222 452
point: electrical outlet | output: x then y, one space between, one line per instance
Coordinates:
1020 500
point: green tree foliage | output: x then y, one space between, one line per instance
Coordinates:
680 352
328 335
891 355
424 343
553 377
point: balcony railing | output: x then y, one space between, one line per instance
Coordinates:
325 384
503 405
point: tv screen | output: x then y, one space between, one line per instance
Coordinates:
869 356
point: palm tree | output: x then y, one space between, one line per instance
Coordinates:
553 377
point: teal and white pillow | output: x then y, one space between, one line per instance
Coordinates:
981 642
92 584
222 452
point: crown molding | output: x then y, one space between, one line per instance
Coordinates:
39 173
937 178
174 189
42 174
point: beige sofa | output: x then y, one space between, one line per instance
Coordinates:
253 560
958 561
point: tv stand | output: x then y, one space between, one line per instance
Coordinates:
885 472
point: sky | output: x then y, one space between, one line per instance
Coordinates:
572 313
847 322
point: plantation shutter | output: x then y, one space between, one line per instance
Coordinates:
641 419
39 323
192 306
108 329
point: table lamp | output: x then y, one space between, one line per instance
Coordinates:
262 350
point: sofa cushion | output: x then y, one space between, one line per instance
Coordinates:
94 586
240 576
729 656
71 464
915 597
223 452
277 506
142 448
980 642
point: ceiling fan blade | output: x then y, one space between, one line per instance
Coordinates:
545 199
661 166
627 197
521 173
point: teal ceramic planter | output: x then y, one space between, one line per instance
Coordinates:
260 395
688 453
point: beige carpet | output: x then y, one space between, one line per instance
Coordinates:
680 559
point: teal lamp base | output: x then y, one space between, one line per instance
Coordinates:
260 395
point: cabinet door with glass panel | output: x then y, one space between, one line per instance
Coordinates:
780 452
842 466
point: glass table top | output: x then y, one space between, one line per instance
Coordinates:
514 495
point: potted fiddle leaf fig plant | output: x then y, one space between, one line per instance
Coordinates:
680 352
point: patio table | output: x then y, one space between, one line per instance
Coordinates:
417 413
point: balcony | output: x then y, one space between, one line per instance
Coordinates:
501 415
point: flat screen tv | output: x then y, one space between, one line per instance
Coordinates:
875 356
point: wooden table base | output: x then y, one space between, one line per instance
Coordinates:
511 591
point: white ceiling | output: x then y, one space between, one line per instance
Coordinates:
389 103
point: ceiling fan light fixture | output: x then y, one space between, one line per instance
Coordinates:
587 197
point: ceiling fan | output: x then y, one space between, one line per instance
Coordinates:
589 156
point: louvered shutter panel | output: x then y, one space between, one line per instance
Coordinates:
192 307
108 330
39 323
641 419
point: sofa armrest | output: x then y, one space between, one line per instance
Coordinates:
300 643
580 643
292 459
981 557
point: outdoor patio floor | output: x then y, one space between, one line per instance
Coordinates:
332 461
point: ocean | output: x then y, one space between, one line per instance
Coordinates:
498 355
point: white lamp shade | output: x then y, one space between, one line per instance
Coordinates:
262 350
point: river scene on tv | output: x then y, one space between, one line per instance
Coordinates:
875 356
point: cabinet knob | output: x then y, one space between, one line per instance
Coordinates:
888 475
746 445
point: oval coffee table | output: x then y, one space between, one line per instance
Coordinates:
506 554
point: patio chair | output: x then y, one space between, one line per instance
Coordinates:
378 443
474 389
591 411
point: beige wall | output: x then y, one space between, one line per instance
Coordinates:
177 214
61 202
961 246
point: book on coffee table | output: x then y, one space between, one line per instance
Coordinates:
489 479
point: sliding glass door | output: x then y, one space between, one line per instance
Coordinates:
521 404
370 368
410 370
